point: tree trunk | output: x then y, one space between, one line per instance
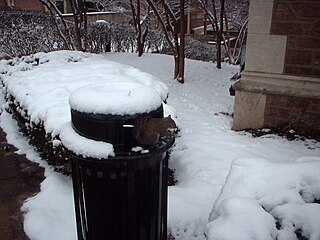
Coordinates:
80 23
176 66
169 22
205 17
140 48
140 43
144 36
140 35
219 38
227 38
180 76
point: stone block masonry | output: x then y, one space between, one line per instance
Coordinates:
300 22
285 112
280 86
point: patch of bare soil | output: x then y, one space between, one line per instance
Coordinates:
290 134
19 180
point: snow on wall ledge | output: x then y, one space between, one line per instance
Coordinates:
264 200
43 82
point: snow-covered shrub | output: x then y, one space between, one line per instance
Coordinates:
156 41
28 32
35 132
199 50
22 33
123 37
196 47
98 37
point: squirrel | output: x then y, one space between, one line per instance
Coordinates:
148 130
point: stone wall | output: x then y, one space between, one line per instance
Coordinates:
29 5
300 22
280 86
285 113
3 4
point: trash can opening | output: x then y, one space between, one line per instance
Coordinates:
150 131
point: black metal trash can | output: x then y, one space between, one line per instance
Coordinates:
122 197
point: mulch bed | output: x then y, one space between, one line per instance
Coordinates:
289 134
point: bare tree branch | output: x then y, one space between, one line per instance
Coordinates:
55 11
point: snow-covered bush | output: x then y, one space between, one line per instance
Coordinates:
122 37
112 36
98 37
22 33
43 142
195 48
156 41
199 50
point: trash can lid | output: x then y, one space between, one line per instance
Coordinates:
116 98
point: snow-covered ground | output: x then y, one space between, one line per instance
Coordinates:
230 185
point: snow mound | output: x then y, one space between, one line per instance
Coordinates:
83 146
264 200
241 218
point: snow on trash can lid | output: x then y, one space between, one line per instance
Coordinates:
116 98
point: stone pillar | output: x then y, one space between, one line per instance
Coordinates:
280 86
